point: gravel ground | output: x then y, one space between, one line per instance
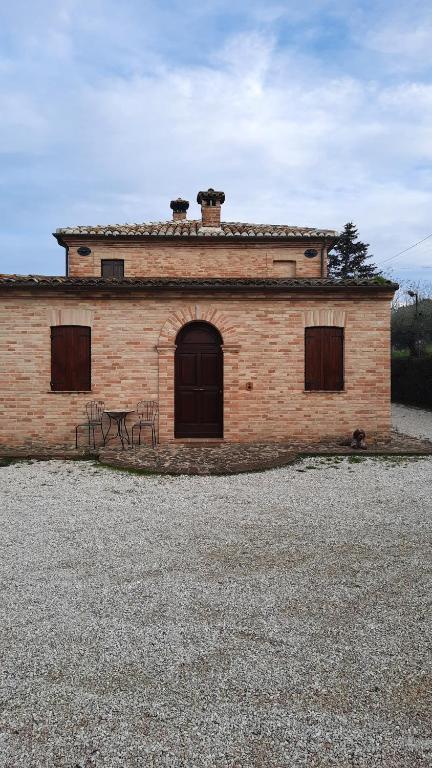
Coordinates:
412 421
272 620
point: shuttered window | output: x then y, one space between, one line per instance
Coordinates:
70 358
112 268
324 358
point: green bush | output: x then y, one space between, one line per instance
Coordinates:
412 380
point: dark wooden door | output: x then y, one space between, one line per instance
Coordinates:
198 382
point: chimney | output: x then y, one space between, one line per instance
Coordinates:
179 208
211 202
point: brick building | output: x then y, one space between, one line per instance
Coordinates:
234 328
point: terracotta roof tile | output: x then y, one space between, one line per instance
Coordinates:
190 284
193 227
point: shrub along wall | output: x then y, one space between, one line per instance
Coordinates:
412 380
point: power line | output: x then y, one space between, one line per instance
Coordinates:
417 266
405 250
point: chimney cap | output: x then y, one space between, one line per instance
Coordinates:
179 205
210 195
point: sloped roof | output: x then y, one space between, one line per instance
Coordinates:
193 283
194 228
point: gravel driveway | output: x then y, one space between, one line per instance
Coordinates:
271 620
412 421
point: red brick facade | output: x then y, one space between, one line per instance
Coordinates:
133 344
183 259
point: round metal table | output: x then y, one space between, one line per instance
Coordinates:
118 418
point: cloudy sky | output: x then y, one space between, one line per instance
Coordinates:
303 112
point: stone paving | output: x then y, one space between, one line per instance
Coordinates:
229 458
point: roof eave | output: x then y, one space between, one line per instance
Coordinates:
64 239
114 286
59 237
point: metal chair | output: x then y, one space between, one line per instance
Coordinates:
95 412
147 411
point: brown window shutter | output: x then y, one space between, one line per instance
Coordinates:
70 358
324 358
112 267
313 359
332 354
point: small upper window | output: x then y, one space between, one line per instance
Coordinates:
324 358
112 268
70 358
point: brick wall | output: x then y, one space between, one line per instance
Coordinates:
211 214
208 260
133 358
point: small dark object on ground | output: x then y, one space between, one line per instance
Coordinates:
358 440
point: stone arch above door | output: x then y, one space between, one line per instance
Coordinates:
179 318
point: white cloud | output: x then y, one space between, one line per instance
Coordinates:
407 42
313 135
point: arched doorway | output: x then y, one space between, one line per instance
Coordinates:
198 400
